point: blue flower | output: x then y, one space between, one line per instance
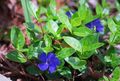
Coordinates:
70 13
48 62
95 24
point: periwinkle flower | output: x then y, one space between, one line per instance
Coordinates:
70 13
48 62
95 24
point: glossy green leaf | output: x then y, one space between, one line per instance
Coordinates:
90 43
16 57
33 70
17 38
75 62
65 52
82 31
52 27
65 72
64 19
86 54
74 43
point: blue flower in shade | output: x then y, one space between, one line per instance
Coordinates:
95 24
48 62
70 13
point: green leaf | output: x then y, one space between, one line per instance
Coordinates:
99 10
17 38
112 26
16 57
117 19
115 60
82 12
106 11
90 43
41 10
76 21
52 27
105 78
114 38
33 70
75 62
53 7
48 41
65 52
26 10
104 3
33 27
34 49
117 4
64 20
86 54
74 43
65 72
32 9
82 31
32 52
116 74
82 2
47 49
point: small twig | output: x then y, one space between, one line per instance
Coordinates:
42 77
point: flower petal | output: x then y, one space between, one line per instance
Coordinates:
68 13
56 61
90 25
99 28
96 23
43 57
51 56
52 68
43 66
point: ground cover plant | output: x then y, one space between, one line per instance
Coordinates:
67 44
